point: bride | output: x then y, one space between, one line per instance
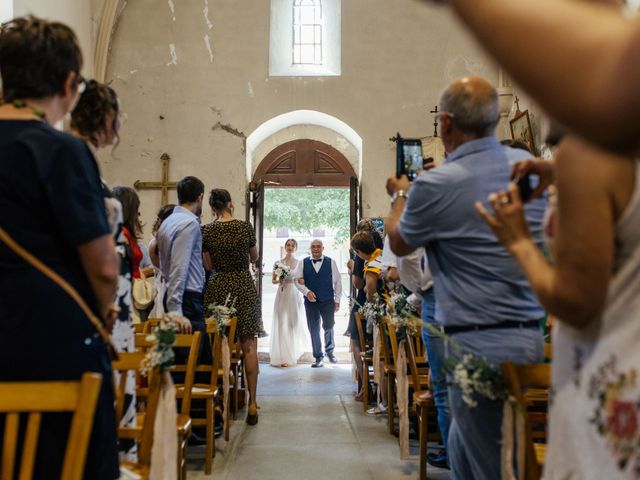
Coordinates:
288 336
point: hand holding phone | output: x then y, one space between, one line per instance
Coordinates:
409 160
524 184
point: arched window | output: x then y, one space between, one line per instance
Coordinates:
307 32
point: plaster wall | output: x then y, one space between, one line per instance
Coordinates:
193 81
78 14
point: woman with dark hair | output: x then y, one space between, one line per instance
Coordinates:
95 120
52 206
288 333
158 306
96 117
356 268
122 335
365 246
231 247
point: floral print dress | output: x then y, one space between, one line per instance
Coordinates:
594 423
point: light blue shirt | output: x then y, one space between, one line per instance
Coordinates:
180 251
476 281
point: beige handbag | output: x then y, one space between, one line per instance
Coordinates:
143 291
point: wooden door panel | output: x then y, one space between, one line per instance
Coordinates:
301 163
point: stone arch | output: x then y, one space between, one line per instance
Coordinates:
308 124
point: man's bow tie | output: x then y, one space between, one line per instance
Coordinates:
316 260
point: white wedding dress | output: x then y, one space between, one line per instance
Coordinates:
289 332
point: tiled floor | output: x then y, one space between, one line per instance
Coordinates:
309 428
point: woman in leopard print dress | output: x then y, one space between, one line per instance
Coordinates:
230 245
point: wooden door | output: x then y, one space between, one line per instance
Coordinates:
255 215
355 197
305 163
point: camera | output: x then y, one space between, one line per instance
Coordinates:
409 159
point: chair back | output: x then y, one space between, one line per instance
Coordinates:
386 345
393 339
364 345
190 341
35 398
413 365
131 361
529 384
150 325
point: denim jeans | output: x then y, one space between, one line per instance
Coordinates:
435 355
475 434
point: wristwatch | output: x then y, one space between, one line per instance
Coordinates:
398 194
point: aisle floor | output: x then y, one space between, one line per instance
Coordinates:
309 427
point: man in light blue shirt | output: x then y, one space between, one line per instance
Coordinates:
483 300
180 251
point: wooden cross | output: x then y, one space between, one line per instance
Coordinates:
517 102
164 185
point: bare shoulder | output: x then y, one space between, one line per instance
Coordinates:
592 174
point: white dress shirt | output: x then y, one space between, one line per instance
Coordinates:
336 279
414 274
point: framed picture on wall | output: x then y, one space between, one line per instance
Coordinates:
521 130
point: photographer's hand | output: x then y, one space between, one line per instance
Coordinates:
544 169
394 184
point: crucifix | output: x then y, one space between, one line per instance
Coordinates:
517 102
163 185
435 120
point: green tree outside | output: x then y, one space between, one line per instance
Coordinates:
303 209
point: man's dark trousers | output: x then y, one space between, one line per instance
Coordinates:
193 309
315 311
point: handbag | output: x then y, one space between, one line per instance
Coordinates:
143 291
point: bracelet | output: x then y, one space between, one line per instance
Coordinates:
398 194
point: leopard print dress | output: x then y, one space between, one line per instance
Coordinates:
228 244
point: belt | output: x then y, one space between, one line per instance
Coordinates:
449 329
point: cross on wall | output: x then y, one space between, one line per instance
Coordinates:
164 185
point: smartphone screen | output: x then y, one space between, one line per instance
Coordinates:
409 159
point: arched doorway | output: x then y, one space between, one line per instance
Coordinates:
296 165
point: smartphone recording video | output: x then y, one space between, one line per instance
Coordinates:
409 159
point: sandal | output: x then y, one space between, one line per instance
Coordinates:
379 410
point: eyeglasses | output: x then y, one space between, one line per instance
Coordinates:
438 116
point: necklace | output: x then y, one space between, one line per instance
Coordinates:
37 111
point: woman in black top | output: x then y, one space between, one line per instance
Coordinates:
51 203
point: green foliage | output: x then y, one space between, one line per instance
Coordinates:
303 209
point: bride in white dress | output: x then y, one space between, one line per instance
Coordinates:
288 336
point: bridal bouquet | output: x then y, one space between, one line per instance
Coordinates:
473 374
222 314
282 271
402 315
161 353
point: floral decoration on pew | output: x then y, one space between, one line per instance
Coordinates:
161 355
402 315
473 374
373 312
221 315
281 271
